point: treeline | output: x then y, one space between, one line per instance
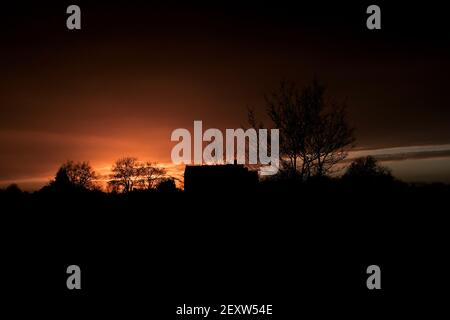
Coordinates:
315 137
127 175
130 176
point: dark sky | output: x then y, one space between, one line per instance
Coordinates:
138 70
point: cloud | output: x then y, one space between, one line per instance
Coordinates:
403 153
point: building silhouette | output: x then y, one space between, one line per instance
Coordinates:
213 178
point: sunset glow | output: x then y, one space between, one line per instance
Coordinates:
108 92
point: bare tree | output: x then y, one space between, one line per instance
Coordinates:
330 140
151 175
79 174
314 133
294 113
129 174
125 175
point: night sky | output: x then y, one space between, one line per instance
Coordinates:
138 70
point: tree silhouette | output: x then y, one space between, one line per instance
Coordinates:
150 175
367 169
125 174
314 132
62 180
73 176
13 190
80 174
129 174
167 185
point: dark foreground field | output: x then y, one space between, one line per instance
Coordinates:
304 251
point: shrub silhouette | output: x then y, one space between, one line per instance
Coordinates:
367 170
13 190
167 185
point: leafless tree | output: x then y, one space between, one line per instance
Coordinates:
150 175
128 174
330 140
125 175
314 132
80 174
